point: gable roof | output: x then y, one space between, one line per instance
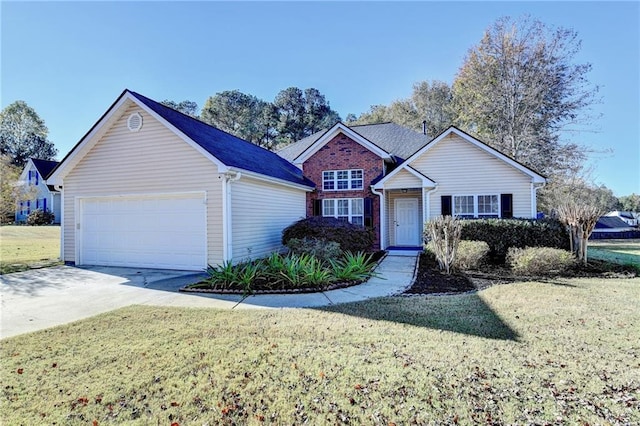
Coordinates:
536 178
230 150
611 222
393 139
44 167
219 146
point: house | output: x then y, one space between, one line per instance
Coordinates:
394 179
628 217
42 196
613 227
148 186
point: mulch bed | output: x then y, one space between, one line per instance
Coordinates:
430 280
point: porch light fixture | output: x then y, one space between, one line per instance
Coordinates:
404 191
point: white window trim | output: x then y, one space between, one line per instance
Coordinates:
335 180
350 215
476 215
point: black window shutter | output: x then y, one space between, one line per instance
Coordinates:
506 205
317 207
445 200
368 212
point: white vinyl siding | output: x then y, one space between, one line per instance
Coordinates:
151 161
459 167
403 179
261 211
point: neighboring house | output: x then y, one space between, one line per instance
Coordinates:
43 196
148 186
627 217
613 227
392 178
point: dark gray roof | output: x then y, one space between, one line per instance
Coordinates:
44 166
230 150
396 140
611 222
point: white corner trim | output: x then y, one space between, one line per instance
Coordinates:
383 228
333 132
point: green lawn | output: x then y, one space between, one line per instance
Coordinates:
557 352
23 247
625 252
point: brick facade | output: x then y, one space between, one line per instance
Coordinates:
342 153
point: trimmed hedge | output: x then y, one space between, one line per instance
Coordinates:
321 249
540 260
502 234
351 237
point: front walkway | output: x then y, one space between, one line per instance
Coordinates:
43 298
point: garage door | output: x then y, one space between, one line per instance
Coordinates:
159 231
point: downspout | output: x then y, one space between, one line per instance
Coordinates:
227 234
426 207
382 218
62 229
534 198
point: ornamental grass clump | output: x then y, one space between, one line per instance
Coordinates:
352 267
443 236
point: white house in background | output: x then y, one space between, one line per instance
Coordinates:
627 217
148 186
45 197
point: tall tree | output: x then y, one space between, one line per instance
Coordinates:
429 101
630 203
187 107
519 89
242 115
23 135
302 113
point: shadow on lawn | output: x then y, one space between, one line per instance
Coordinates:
464 313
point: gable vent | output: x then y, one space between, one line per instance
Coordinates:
134 122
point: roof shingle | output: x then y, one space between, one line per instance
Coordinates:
396 140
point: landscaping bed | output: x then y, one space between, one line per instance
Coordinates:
275 275
430 280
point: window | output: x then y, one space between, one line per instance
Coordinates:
488 206
470 206
342 180
463 206
33 177
347 209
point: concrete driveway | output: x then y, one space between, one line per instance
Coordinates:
42 298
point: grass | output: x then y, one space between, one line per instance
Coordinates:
625 252
564 352
24 247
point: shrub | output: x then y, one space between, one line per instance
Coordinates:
40 217
323 250
353 267
502 234
443 236
471 254
539 260
350 237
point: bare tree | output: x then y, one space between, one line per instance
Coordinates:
443 234
581 219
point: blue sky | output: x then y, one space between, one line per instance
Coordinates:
70 60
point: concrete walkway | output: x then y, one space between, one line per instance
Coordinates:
38 299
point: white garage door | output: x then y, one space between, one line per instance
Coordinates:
159 231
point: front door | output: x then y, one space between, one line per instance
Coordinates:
406 222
